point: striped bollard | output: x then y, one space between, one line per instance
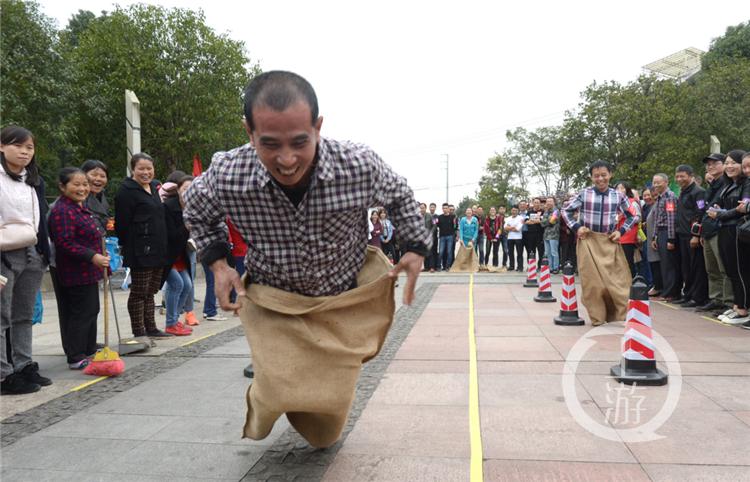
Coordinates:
638 365
568 303
545 284
531 275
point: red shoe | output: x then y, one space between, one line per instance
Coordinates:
178 329
190 319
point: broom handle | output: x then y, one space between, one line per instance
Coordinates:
106 300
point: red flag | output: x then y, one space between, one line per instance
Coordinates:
197 165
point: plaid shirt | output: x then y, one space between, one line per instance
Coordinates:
73 229
599 211
317 248
665 210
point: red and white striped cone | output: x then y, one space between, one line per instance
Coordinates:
545 284
568 303
638 365
531 275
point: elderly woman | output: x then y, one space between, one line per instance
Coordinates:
96 202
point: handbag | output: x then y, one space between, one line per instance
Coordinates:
17 235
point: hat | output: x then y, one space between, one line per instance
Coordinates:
716 156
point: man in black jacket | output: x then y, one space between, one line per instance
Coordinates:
691 206
719 287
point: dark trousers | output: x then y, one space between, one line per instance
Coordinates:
432 261
656 275
534 244
693 269
669 264
78 309
629 250
568 253
517 246
491 247
736 264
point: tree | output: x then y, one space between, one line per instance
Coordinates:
33 81
502 184
466 202
539 153
734 44
188 79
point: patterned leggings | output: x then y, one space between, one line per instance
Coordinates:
146 283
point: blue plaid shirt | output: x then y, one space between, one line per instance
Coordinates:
599 211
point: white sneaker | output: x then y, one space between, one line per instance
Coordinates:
735 318
216 317
726 313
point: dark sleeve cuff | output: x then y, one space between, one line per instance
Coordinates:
622 231
418 248
576 227
217 251
672 240
88 254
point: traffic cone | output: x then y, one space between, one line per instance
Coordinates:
531 275
568 304
638 364
545 284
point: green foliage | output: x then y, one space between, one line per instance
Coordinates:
503 182
466 202
734 44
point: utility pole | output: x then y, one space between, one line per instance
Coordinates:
446 177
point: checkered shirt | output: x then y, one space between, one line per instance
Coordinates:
665 212
317 248
598 211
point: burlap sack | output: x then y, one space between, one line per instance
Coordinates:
605 278
308 351
466 261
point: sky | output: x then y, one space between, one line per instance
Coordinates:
421 82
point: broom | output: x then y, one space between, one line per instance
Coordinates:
106 362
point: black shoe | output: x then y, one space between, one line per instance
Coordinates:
31 373
158 334
16 384
689 304
710 306
745 325
679 301
248 371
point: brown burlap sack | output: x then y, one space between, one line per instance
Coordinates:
605 278
308 351
466 261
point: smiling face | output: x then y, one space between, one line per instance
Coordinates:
683 179
143 172
732 168
469 213
746 166
286 141
76 189
600 177
97 180
660 184
19 154
715 168
550 204
647 198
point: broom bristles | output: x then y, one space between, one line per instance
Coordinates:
108 368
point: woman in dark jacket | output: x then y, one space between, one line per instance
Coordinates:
142 232
726 212
179 290
98 176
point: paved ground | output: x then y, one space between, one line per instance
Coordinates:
177 413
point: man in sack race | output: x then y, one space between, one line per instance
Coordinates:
603 268
316 303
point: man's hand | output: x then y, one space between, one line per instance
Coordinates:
583 231
670 246
695 242
226 278
411 263
615 236
703 242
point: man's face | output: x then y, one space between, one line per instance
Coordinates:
715 168
514 211
493 212
453 209
683 179
647 197
433 206
660 185
600 177
446 210
286 141
422 209
480 211
537 204
550 204
502 210
523 205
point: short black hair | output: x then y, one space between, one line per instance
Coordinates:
66 174
92 164
278 89
17 135
628 188
684 168
139 157
736 155
433 204
446 205
598 164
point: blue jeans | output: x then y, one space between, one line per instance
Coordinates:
447 248
209 304
551 250
644 267
179 288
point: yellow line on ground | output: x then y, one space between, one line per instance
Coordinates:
198 339
667 305
474 423
714 320
87 384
